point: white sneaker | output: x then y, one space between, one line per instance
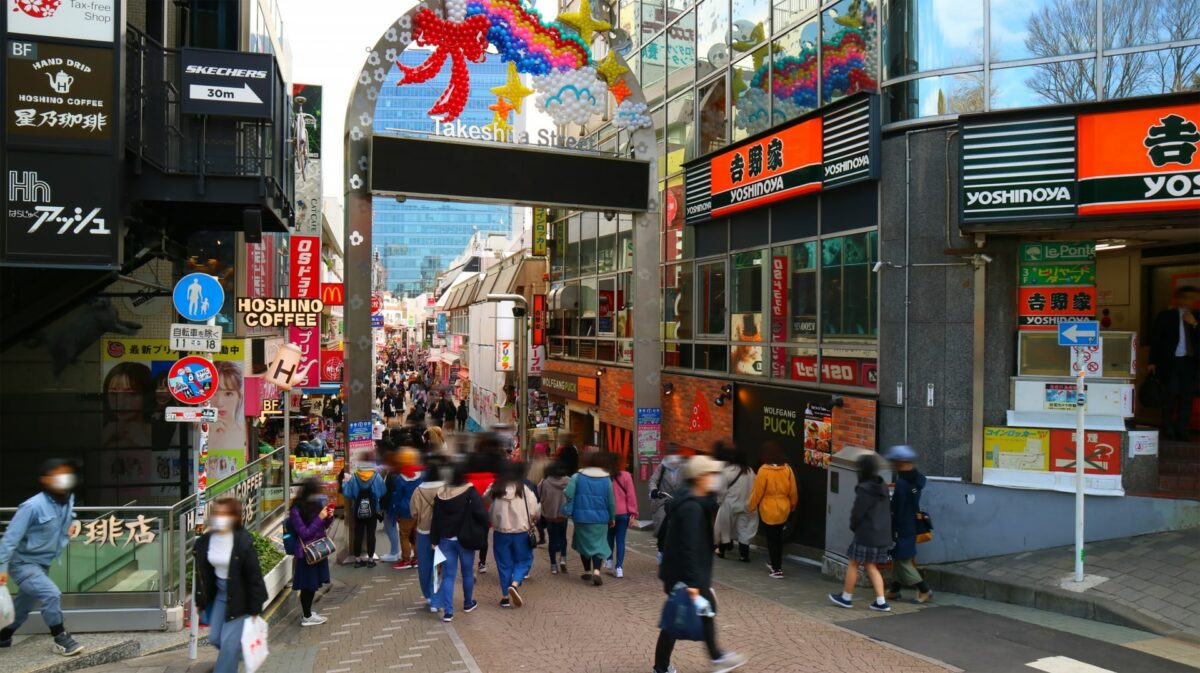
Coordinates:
728 662
389 558
619 573
608 564
313 620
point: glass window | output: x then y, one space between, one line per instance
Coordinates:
559 251
1132 23
677 355
848 29
606 351
848 290
629 18
788 12
654 69
794 59
751 23
677 301
572 262
587 243
794 364
678 239
926 35
1061 82
607 306
714 123
747 360
681 52
624 305
712 36
793 292
587 349
712 357
746 301
681 143
588 307
750 113
1037 28
941 95
659 117
624 241
1152 72
710 298
606 246
570 309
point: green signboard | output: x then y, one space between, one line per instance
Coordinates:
1058 251
1058 274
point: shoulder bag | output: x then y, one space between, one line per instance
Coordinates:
320 549
532 532
924 527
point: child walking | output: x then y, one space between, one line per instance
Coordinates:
871 521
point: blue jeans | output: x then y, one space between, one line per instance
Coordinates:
425 565
456 557
616 539
514 558
34 585
393 533
223 635
558 539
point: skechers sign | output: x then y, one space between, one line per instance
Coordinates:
228 83
821 150
1119 159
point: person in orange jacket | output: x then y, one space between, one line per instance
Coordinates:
774 497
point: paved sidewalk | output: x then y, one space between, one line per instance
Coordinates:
1151 582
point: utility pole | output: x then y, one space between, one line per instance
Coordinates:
520 318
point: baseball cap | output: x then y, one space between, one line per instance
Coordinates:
702 464
902 453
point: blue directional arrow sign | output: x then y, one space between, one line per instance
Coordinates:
1079 333
198 297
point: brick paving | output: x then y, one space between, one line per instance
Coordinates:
1157 575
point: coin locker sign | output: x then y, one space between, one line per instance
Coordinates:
59 95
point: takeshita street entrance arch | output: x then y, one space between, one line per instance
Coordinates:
573 87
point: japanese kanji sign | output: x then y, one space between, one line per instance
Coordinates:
111 531
306 267
1058 284
309 341
1101 452
59 95
1045 308
1058 274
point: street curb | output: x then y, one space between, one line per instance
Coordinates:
107 654
1049 599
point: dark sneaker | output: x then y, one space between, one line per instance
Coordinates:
448 617
880 607
482 567
470 606
837 600
5 642
586 577
371 563
505 603
562 566
553 569
360 564
515 597
596 580
777 574
67 646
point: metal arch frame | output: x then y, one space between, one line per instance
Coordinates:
360 115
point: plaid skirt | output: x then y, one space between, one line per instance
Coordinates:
865 554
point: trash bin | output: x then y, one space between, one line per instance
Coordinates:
841 480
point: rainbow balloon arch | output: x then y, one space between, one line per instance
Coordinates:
571 87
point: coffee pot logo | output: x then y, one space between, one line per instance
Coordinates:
61 82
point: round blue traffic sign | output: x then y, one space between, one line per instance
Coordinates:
198 297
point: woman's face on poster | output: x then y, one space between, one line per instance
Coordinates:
123 396
227 400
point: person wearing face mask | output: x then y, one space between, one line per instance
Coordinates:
664 482
229 583
35 537
685 540
308 521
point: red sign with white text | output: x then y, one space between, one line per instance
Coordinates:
1101 452
779 298
306 267
333 363
309 341
839 371
259 267
376 303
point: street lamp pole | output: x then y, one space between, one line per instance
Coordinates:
520 315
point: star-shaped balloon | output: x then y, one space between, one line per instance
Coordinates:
583 22
513 90
502 107
620 91
610 69
500 126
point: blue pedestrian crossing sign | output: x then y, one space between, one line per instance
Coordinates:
1085 333
198 297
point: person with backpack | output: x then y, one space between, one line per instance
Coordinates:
774 496
906 507
482 468
458 528
627 513
666 479
398 518
552 489
871 521
514 513
734 521
591 503
364 490
309 518
421 507
685 540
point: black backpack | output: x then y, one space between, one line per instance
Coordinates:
364 507
473 535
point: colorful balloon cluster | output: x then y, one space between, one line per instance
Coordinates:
570 96
630 115
522 38
458 41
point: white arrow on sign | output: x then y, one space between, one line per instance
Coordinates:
229 94
1074 332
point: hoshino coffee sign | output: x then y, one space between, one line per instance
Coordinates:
821 150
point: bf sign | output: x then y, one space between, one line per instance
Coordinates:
285 371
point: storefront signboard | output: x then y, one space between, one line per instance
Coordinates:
333 294
1016 170
821 150
305 267
1058 274
60 95
94 21
228 83
649 431
582 388
537 329
309 341
110 530
779 311
1140 160
505 353
700 419
1016 448
1058 251
1045 308
277 312
333 364
540 233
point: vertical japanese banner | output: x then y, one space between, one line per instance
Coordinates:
779 310
540 232
305 257
309 341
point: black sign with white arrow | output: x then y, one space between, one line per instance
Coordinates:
228 83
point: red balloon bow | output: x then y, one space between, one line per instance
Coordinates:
460 41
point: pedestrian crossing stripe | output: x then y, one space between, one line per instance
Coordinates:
1065 665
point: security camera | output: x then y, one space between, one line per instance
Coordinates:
987 259
877 267
518 311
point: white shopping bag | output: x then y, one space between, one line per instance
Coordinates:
7 612
438 560
254 643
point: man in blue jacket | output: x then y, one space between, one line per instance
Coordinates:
35 537
906 503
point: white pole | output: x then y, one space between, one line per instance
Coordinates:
1080 402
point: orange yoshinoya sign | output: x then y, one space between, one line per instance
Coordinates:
779 166
1144 160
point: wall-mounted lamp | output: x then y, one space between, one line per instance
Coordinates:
836 401
668 388
600 371
726 393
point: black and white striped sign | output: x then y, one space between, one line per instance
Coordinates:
849 148
1018 170
697 193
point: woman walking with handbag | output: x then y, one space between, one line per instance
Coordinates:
458 529
229 583
775 496
514 514
308 523
590 502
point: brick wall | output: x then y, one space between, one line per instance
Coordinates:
854 424
677 413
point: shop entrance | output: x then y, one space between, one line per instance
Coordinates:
479 164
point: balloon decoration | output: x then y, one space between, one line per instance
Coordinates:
570 96
583 22
610 69
513 90
522 38
620 91
458 41
631 116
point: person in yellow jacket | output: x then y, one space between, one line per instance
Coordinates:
774 497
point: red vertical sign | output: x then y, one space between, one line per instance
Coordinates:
779 295
309 341
259 268
305 267
539 320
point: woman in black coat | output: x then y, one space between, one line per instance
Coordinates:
229 583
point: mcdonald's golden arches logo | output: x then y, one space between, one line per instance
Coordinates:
333 294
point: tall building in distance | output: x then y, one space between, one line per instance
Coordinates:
415 238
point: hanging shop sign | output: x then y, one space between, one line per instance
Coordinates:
537 328
278 312
333 294
333 365
582 388
540 232
700 418
821 150
1057 284
59 95
305 256
376 303
93 20
192 380
198 297
1084 163
309 341
54 212
228 83
1045 308
505 354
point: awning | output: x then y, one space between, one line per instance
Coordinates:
450 358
